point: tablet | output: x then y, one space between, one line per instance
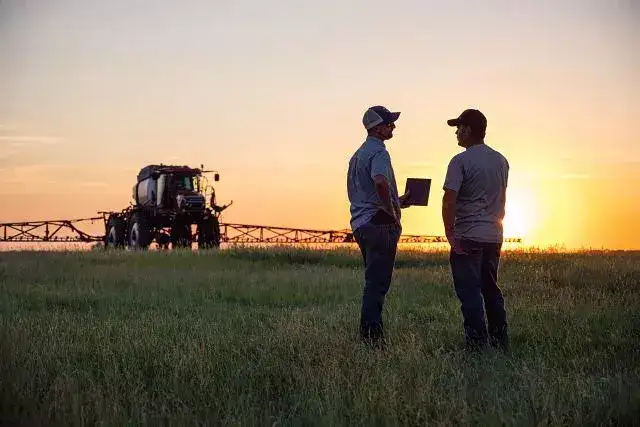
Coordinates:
418 189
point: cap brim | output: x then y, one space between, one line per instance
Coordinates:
453 122
394 116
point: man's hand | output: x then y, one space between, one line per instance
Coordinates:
404 200
456 246
397 214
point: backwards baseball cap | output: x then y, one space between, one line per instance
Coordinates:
472 118
377 115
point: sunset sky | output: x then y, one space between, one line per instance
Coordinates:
271 94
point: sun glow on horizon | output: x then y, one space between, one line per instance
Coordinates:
520 213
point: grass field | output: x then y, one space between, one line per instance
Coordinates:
268 336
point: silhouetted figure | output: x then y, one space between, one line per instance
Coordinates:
472 211
375 216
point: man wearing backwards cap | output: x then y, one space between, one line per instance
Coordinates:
472 211
375 216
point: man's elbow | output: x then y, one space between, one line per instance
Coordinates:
381 184
380 180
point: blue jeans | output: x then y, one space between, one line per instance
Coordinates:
378 244
475 277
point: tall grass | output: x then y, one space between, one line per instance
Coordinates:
269 336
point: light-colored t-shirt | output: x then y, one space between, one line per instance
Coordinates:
371 159
479 175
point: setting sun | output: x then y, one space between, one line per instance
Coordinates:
519 220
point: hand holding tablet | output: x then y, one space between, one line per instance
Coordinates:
417 191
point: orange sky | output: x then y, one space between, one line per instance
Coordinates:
272 97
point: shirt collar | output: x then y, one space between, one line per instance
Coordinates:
375 141
475 145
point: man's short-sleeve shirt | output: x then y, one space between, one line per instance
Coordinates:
371 159
479 175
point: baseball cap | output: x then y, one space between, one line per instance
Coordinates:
473 118
377 115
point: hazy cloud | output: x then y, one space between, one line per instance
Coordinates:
93 184
37 178
24 140
32 169
575 176
17 150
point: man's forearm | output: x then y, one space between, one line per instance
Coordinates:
382 188
448 216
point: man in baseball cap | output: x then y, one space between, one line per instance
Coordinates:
378 115
473 120
473 208
375 216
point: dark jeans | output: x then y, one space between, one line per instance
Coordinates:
475 277
378 244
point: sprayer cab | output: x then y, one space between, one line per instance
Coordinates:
170 188
167 201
